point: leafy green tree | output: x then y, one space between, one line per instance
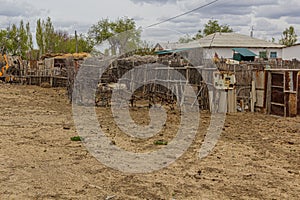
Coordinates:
49 35
103 30
289 37
129 36
59 40
13 40
120 34
16 40
45 35
213 26
62 42
85 44
40 36
51 41
23 40
3 40
29 34
199 35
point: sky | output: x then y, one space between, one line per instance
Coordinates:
268 18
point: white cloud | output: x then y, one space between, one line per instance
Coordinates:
17 9
269 17
153 1
281 9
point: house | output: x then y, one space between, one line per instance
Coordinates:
292 52
223 44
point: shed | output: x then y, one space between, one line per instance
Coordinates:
243 54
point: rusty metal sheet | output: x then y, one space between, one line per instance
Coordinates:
298 94
292 105
259 79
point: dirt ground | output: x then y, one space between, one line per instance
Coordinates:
257 156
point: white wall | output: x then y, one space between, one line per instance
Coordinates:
228 53
222 52
257 50
290 53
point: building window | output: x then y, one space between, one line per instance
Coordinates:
263 54
273 54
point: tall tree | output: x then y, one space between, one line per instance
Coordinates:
13 40
23 40
16 40
3 40
50 40
29 34
49 35
103 30
289 37
121 34
40 36
213 26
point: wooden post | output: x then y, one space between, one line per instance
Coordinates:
231 99
223 101
242 105
253 96
298 93
269 92
51 81
211 102
131 83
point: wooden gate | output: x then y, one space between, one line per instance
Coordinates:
283 93
298 93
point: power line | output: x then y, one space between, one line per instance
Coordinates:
180 15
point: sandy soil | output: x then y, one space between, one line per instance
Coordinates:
257 156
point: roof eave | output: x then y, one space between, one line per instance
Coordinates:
237 46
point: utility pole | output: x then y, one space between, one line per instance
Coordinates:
252 30
76 39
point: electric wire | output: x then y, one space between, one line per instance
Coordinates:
180 15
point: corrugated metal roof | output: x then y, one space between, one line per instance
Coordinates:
224 40
244 52
235 40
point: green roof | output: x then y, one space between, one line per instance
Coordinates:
244 52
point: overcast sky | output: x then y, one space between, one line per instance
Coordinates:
268 17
